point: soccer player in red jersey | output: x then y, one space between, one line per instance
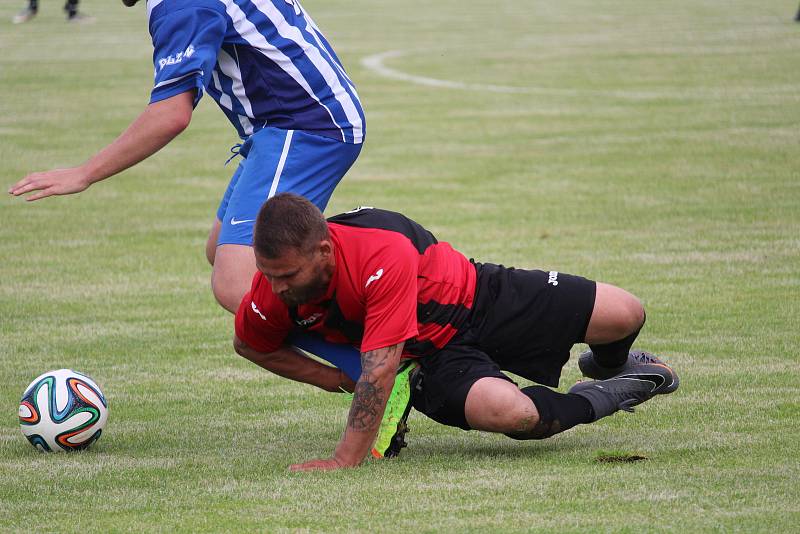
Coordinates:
383 283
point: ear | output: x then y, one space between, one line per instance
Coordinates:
325 248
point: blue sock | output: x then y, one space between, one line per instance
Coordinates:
345 357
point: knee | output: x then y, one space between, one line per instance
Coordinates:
525 420
537 430
527 425
617 314
519 419
631 315
234 266
627 312
514 416
228 292
545 403
496 405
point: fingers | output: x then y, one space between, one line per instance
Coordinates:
41 194
45 184
28 184
316 465
19 187
307 466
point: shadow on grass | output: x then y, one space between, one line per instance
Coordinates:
476 449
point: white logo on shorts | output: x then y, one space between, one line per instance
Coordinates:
234 222
552 278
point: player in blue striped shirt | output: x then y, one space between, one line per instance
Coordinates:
281 85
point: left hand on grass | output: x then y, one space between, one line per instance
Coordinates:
328 464
55 182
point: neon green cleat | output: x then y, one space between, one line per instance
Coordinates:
391 434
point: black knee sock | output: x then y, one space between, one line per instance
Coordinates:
34 5
71 7
615 353
557 412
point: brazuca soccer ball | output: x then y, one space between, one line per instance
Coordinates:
62 410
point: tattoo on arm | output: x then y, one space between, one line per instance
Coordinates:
375 360
365 410
369 397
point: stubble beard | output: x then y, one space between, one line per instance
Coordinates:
310 292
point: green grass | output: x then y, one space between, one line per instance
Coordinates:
653 146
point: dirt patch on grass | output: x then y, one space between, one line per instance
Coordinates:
619 458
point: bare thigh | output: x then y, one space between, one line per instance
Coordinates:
234 267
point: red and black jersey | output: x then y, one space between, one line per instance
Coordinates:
392 282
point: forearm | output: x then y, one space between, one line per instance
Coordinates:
155 127
158 124
371 393
288 363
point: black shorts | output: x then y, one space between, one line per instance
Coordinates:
522 321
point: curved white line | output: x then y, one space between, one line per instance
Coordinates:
375 63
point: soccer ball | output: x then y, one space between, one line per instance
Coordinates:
62 410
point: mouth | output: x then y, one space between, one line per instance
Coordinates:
288 298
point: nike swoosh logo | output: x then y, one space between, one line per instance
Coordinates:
234 222
656 380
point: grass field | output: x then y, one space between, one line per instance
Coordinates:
650 145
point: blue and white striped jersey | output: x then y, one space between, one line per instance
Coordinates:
265 62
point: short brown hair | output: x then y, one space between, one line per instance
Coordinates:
288 221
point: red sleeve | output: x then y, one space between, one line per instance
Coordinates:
390 289
262 320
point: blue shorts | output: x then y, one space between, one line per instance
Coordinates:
279 161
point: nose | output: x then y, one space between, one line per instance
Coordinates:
279 286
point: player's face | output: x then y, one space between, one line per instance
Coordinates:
298 277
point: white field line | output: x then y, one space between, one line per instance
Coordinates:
375 63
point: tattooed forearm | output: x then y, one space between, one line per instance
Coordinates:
378 368
367 407
371 393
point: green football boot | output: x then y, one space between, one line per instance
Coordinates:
391 434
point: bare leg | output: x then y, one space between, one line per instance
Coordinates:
497 405
616 315
234 267
616 321
534 412
213 238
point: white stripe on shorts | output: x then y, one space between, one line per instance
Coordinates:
285 152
